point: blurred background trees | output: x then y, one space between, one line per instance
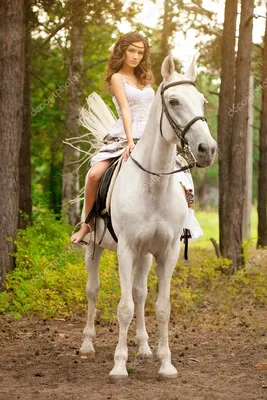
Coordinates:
66 46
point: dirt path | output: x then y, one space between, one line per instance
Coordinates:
225 360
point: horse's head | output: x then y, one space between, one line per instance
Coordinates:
183 119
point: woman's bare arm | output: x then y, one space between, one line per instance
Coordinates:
117 88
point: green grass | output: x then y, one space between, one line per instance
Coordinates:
209 222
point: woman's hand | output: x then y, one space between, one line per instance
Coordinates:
128 150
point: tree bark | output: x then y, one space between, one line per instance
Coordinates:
262 177
11 120
166 29
25 198
225 116
246 228
235 201
202 193
71 180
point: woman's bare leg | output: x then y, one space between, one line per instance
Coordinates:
91 186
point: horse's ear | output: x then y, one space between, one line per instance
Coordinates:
191 72
168 67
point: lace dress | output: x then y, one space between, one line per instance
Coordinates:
140 101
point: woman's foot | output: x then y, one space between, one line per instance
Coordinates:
78 236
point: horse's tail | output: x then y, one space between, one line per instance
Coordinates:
96 117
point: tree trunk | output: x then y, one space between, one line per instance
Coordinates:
71 180
25 198
11 120
262 179
235 203
166 30
202 194
225 116
246 228
168 27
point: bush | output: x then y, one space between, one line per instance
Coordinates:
50 277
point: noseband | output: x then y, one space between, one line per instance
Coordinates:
179 131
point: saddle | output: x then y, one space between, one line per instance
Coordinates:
101 207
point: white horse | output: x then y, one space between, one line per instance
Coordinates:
148 214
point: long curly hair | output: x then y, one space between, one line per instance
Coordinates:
142 71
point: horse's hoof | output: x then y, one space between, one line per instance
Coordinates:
118 378
167 372
163 377
145 354
87 353
144 351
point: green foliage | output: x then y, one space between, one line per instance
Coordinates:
50 276
109 293
192 281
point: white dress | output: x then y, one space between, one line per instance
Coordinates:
140 101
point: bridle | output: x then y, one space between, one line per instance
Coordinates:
179 131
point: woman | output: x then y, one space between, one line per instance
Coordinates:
129 79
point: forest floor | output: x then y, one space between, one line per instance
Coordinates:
217 358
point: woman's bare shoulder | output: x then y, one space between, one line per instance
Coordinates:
116 84
116 78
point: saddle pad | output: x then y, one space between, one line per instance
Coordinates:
112 183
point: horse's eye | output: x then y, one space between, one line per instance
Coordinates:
174 102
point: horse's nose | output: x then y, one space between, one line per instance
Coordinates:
213 149
203 149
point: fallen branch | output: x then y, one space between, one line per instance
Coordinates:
216 247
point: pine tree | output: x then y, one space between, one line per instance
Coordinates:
262 177
11 122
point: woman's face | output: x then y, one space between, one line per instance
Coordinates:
134 54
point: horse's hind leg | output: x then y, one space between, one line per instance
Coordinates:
139 295
92 288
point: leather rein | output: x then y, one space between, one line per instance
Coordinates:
179 132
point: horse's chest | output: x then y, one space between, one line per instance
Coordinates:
149 214
155 234
169 209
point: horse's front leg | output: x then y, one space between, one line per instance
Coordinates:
166 263
125 311
92 288
140 294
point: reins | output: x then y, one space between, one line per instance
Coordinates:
164 173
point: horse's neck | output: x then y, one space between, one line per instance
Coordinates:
154 153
